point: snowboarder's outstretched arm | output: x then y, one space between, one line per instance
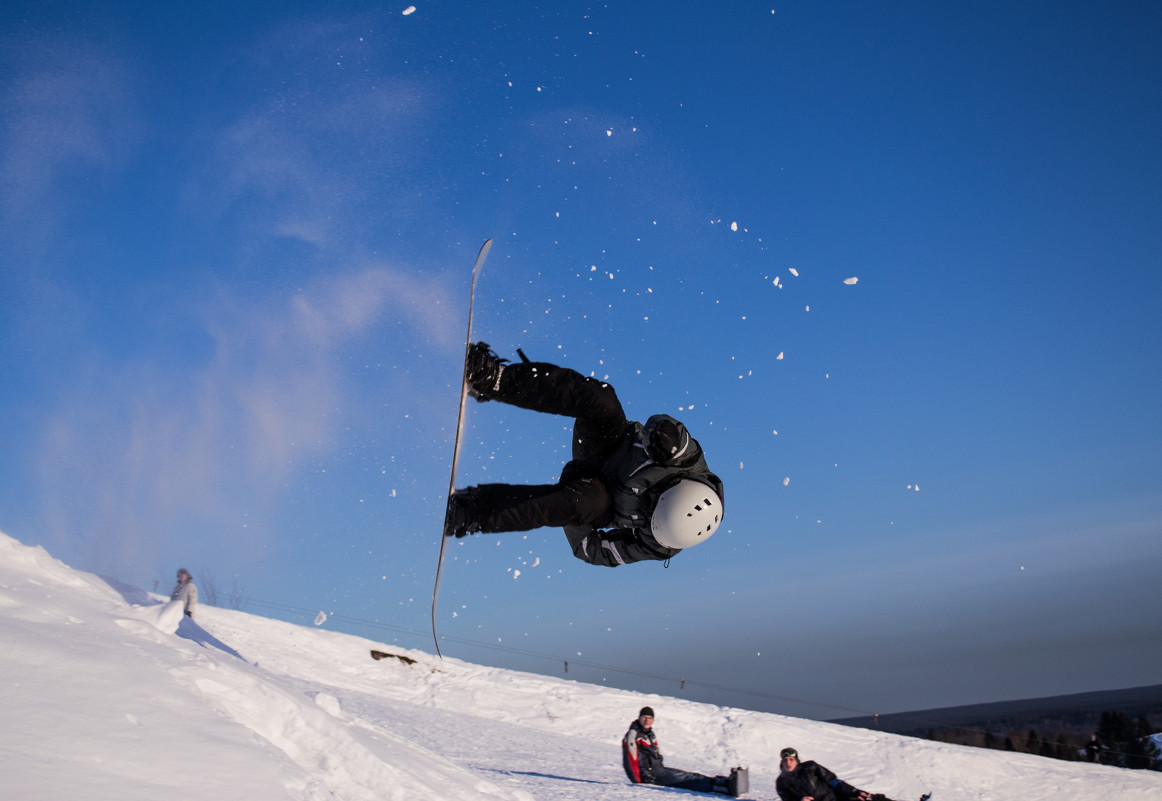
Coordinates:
614 547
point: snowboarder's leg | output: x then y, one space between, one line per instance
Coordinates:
492 508
685 780
550 389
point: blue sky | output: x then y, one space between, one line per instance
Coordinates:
235 256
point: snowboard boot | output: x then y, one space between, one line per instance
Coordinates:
461 518
482 369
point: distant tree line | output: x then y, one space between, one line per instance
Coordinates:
1119 741
212 593
1125 743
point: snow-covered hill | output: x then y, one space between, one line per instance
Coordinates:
111 695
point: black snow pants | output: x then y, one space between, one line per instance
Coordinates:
579 498
686 780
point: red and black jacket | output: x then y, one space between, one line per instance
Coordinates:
640 755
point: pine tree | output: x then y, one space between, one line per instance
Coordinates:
1141 752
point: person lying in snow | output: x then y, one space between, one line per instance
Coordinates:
810 781
642 761
631 492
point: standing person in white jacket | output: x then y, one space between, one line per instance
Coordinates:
186 591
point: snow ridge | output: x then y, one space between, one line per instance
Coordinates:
112 695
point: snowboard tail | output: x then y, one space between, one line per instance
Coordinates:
739 782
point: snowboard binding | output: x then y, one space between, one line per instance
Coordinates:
482 369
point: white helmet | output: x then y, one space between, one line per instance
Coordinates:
687 513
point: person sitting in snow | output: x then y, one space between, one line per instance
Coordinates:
642 761
632 492
810 781
186 591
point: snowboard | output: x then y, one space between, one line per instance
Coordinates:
480 257
739 782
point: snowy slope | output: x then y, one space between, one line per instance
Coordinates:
110 694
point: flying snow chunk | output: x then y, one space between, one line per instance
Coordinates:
409 11
779 358
851 281
734 226
786 481
794 272
320 618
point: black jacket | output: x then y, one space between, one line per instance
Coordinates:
635 476
636 473
812 780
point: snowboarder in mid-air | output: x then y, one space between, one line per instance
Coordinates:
631 492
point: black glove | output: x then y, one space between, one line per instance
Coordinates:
666 440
